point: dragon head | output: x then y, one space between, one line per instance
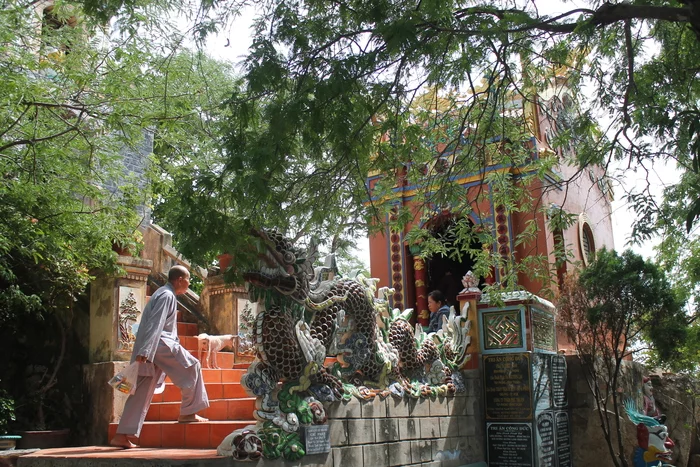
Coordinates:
281 266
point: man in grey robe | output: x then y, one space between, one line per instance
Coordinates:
158 350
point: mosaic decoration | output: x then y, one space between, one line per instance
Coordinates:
654 445
543 333
302 319
396 268
503 330
128 316
503 238
246 323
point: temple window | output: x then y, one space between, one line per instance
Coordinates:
586 240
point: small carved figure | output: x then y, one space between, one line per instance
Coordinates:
470 282
210 345
650 407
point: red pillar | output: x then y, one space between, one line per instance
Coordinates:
421 291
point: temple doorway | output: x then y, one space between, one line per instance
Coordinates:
444 273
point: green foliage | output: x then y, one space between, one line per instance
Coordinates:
632 299
617 306
76 99
7 411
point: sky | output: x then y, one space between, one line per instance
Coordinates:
232 44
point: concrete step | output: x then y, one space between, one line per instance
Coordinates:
206 435
104 456
219 409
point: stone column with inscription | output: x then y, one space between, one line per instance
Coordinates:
526 409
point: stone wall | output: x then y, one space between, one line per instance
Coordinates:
399 432
674 397
105 404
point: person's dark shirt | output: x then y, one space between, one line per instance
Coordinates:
436 318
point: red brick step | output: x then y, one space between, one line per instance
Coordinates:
219 376
220 409
207 435
214 391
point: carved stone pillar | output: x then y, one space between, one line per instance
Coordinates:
468 300
116 304
223 305
423 315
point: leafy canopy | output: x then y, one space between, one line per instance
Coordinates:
78 104
336 90
618 306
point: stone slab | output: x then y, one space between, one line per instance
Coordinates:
374 455
468 426
439 407
459 406
449 426
421 451
376 408
344 409
396 407
361 431
429 427
409 428
347 456
399 453
339 432
419 407
386 430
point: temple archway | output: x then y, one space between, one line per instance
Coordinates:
445 273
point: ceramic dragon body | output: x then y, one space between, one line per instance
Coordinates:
303 319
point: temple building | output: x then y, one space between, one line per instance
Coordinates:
584 195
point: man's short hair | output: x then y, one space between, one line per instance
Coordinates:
177 272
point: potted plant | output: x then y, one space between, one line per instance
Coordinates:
130 245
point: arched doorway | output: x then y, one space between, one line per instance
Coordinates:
445 273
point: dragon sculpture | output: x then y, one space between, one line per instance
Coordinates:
302 320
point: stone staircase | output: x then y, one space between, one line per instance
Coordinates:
230 407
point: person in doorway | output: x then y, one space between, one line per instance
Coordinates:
438 308
158 350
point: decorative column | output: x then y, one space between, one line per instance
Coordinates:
116 304
396 249
503 239
419 273
223 305
468 300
